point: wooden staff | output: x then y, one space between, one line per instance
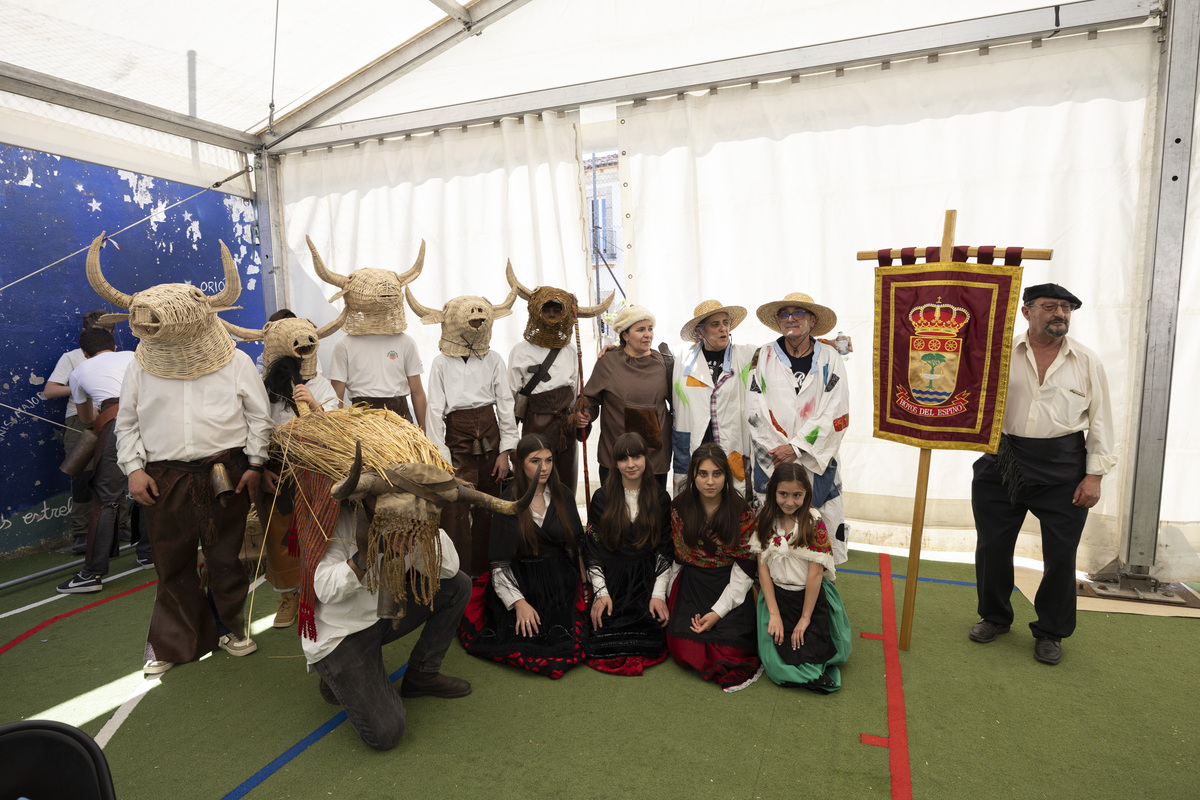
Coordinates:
587 483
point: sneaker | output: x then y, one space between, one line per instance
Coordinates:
289 607
145 563
81 582
1047 650
237 647
433 684
153 668
986 631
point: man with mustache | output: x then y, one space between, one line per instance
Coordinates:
1057 443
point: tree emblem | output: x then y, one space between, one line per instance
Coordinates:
934 360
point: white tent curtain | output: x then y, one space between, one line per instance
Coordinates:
477 197
753 192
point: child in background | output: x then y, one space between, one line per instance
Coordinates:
803 630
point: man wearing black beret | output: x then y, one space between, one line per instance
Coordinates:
1057 442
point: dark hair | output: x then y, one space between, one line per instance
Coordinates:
92 319
96 340
726 523
559 497
616 528
283 313
771 512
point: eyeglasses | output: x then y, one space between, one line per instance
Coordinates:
799 314
1050 308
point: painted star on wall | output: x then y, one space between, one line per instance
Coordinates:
95 204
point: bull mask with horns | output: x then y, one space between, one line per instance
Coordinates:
466 322
294 337
374 297
543 332
180 335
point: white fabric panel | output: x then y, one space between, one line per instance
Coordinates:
528 51
477 198
750 194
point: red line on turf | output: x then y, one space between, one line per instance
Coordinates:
876 636
5 648
876 741
897 738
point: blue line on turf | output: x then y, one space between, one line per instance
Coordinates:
900 577
257 778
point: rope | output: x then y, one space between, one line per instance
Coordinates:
274 54
35 416
146 218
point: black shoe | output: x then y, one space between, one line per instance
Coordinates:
822 685
434 684
1047 650
79 546
145 563
81 582
986 631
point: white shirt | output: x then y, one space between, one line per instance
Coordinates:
344 604
375 365
787 562
455 385
99 377
61 375
322 392
166 419
563 372
1072 397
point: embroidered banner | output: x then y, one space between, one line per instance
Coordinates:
943 336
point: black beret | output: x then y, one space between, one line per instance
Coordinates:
1051 290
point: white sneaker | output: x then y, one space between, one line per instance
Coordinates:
154 668
237 647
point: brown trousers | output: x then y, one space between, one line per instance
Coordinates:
185 512
473 439
547 414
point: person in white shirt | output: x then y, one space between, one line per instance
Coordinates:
381 370
96 383
56 387
348 649
1057 443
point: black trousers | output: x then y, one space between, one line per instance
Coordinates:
998 521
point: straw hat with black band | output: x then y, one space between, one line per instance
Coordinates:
768 313
705 310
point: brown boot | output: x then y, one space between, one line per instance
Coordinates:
433 684
289 606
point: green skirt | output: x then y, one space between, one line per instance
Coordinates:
814 665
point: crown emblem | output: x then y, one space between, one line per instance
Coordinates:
938 319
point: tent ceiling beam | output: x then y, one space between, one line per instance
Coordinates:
402 60
1033 24
455 10
39 86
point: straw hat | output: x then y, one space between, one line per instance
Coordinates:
707 309
629 316
768 313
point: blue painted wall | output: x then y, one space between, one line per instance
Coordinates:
51 206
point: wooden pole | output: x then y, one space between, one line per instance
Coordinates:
918 523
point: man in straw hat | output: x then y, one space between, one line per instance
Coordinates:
798 405
710 390
1047 465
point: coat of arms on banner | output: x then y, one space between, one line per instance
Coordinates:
934 350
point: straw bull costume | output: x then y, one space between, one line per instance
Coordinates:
188 376
470 416
543 371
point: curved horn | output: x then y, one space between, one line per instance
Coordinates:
586 312
245 334
96 277
505 308
334 326
323 273
468 494
233 284
349 485
428 316
516 284
415 269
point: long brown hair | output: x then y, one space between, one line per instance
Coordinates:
616 529
559 497
726 523
772 513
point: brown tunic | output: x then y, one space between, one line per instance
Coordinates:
632 396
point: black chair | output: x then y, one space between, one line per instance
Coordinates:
43 760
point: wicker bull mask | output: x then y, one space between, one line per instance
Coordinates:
552 330
466 322
180 335
374 297
294 337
